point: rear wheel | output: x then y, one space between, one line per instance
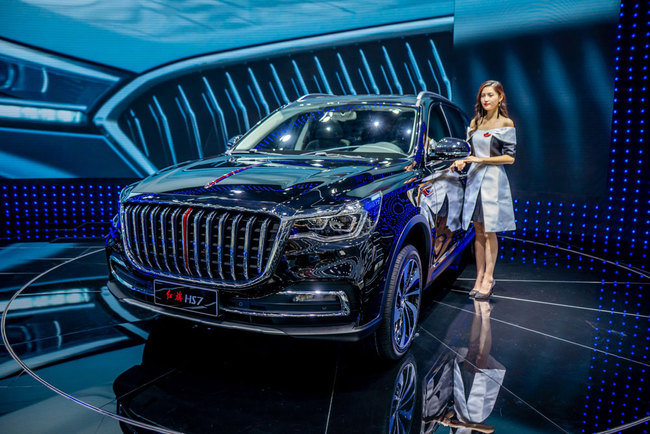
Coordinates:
401 306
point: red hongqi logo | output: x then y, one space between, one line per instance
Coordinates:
170 295
486 134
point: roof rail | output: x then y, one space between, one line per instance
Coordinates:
428 93
313 95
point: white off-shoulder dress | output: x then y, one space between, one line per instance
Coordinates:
487 184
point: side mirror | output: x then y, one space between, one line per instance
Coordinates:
233 141
450 148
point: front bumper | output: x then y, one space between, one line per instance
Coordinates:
314 309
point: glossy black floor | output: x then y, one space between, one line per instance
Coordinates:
561 347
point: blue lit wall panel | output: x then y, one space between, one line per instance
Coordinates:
627 217
49 154
555 63
32 210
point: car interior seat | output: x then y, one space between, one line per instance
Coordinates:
326 135
402 132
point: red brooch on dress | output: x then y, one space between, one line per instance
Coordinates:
486 134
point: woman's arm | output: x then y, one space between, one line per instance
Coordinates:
501 159
495 161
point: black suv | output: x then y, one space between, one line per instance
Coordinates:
327 219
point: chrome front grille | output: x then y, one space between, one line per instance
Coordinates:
217 246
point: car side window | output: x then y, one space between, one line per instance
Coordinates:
457 122
436 125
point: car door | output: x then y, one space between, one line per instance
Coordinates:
443 193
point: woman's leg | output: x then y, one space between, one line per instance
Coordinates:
479 251
491 252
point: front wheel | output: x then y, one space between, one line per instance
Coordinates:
401 305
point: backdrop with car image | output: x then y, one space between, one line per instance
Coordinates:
130 124
189 109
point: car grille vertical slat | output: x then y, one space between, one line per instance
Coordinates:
127 227
175 231
154 237
163 237
208 243
185 228
197 233
143 229
260 249
158 236
233 245
247 244
135 239
220 241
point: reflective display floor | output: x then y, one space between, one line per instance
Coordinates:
562 346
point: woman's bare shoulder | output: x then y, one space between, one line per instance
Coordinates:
507 122
472 124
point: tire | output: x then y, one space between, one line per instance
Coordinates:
401 308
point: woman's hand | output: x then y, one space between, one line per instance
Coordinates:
457 165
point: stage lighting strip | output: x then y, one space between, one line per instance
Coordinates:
56 390
626 267
66 297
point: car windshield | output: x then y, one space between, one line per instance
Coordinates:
358 129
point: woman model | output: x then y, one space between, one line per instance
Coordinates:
488 202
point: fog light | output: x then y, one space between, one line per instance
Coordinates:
315 298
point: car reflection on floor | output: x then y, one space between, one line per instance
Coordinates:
548 320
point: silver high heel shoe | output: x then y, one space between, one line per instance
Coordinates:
481 296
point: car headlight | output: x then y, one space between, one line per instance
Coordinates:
40 87
352 220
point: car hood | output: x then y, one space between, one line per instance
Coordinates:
296 182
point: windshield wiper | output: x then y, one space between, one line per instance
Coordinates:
326 153
253 151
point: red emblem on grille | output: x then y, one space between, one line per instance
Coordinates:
486 134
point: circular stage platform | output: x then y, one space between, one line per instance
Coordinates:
562 346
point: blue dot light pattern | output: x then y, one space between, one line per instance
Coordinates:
617 390
47 210
627 226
